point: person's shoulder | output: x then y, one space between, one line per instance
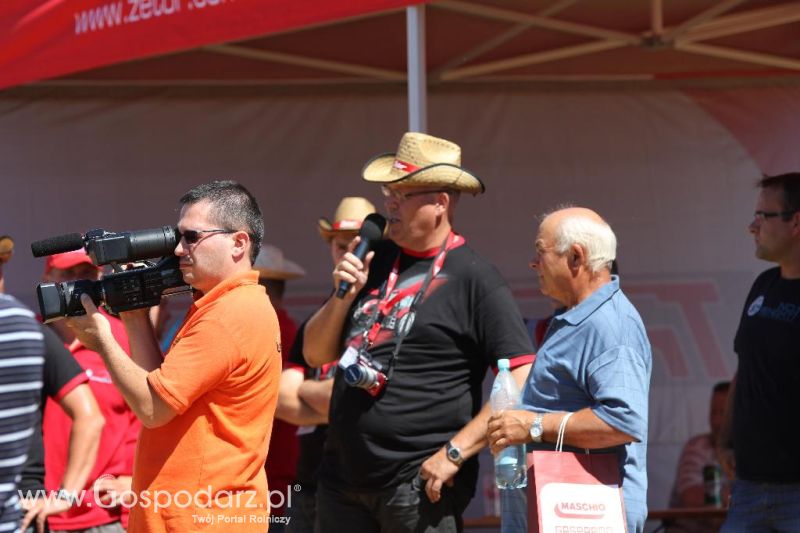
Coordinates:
465 258
9 302
617 302
698 442
10 307
245 300
768 275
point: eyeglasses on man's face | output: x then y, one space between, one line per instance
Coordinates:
761 216
192 236
401 196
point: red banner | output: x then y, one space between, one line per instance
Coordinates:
48 38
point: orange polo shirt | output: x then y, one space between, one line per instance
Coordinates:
204 470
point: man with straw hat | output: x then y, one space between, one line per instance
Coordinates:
347 219
423 321
305 392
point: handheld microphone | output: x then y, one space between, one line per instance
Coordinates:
57 245
371 231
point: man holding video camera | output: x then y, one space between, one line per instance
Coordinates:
424 319
207 407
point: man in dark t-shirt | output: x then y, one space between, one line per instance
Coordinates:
766 390
424 319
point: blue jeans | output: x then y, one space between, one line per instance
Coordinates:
513 511
768 507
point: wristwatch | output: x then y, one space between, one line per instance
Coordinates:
454 454
537 430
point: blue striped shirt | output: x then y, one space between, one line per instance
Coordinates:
597 355
21 359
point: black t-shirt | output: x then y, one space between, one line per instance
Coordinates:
60 368
768 381
311 439
466 321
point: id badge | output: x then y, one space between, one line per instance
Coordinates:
349 357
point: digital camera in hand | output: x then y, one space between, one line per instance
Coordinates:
135 288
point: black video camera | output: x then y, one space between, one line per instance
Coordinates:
120 290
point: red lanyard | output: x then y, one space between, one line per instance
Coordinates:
389 297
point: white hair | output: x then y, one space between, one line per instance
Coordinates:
596 238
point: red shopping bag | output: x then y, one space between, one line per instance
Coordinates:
574 492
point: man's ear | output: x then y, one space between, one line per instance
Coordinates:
241 240
795 222
442 203
576 257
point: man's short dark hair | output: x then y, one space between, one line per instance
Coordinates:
722 386
789 185
232 208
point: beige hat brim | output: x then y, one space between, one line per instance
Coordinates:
288 270
279 275
381 170
288 274
327 232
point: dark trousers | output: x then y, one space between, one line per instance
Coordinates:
303 512
404 508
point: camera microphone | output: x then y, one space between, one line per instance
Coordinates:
371 231
57 245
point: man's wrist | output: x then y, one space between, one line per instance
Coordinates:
536 431
69 496
453 453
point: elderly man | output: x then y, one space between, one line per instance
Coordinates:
766 390
423 321
207 406
595 361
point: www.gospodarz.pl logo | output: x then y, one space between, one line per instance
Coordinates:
107 494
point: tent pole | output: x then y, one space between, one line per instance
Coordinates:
417 77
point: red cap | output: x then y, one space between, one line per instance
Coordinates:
67 260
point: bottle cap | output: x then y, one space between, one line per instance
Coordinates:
503 364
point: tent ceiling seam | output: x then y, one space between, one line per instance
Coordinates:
305 61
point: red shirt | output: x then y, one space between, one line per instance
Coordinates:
117 441
284 448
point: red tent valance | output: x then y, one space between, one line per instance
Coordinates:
46 38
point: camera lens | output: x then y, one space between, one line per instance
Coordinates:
359 376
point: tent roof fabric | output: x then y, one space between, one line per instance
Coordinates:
467 41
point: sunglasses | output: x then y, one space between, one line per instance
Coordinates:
402 196
764 215
191 236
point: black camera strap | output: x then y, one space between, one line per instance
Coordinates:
387 302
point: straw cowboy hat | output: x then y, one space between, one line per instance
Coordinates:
423 161
348 217
271 264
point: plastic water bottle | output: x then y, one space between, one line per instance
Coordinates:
510 467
